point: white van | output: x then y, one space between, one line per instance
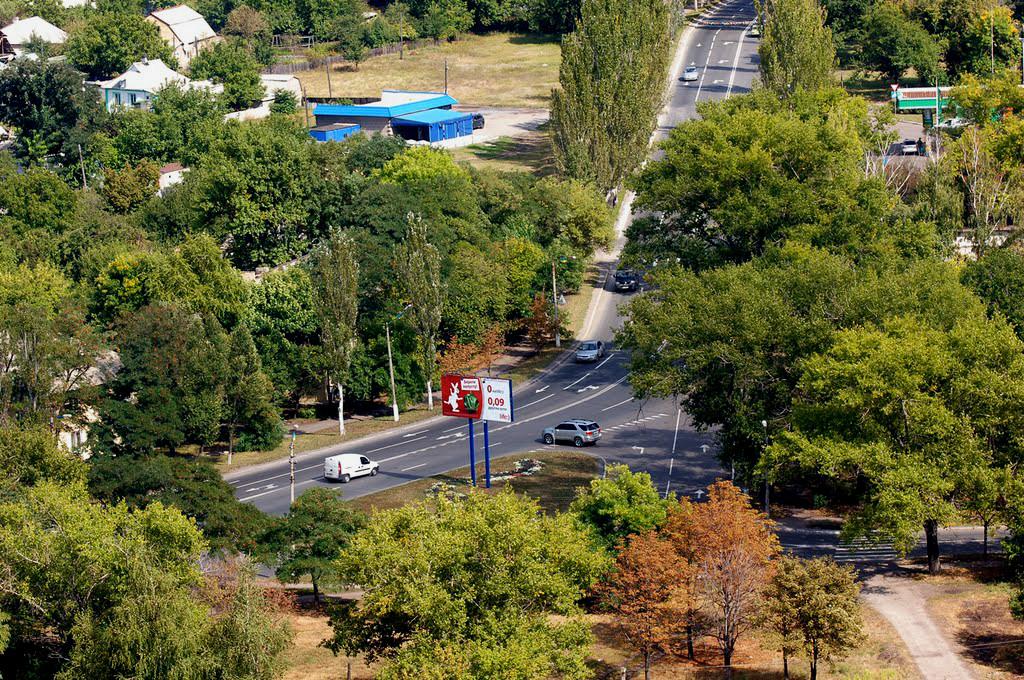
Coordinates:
345 466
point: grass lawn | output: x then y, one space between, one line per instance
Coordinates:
498 69
530 152
554 486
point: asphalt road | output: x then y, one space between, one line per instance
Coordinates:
653 436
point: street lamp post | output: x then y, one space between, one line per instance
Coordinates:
554 299
767 507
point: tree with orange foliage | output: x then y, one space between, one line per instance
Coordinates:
642 593
733 550
680 528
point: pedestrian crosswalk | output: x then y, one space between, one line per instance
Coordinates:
877 548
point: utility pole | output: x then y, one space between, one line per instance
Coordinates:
81 164
391 373
554 299
291 466
327 70
446 75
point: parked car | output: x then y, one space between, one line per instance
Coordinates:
755 30
478 121
590 350
952 124
576 431
626 279
689 74
345 466
908 147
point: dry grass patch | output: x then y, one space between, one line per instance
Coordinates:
307 660
498 69
970 602
529 152
554 486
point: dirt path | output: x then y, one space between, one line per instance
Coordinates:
901 601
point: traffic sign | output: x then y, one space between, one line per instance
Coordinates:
461 396
497 401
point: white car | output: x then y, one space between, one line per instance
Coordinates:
952 124
345 466
908 147
689 74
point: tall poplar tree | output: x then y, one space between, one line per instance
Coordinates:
419 268
612 80
797 50
336 276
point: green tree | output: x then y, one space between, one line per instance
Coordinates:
476 294
130 187
49 105
105 44
988 44
998 279
910 410
476 590
336 278
30 456
194 487
232 65
170 388
894 44
248 392
780 610
612 78
284 103
797 51
349 31
310 539
419 271
444 19
170 129
619 505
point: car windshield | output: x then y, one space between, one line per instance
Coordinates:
588 345
623 275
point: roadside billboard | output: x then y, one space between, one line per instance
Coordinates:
461 396
497 400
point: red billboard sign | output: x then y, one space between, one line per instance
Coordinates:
461 396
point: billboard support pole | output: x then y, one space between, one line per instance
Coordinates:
487 457
472 454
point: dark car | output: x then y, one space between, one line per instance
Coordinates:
626 279
478 121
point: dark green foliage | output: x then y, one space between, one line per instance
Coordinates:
29 456
52 109
311 537
107 43
172 130
998 279
619 505
232 65
193 486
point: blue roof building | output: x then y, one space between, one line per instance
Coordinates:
433 126
423 116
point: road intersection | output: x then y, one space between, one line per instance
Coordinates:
652 436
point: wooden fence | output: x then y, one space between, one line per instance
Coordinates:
315 63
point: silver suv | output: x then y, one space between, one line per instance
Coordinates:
576 431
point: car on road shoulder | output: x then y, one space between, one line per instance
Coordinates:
590 350
347 466
908 147
626 279
755 30
689 74
577 432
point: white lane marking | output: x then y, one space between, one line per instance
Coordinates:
605 361
391 446
537 401
261 488
413 434
624 401
640 449
736 59
672 459
449 436
543 389
576 381
297 485
284 474
588 387
452 429
413 467
723 61
700 85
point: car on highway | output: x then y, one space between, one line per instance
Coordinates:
626 279
689 74
346 466
590 350
578 432
908 147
